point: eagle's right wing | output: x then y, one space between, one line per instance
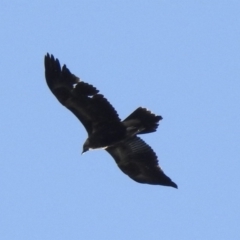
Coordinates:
137 159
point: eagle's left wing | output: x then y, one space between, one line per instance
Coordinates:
82 99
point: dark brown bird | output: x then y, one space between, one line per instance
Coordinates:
105 129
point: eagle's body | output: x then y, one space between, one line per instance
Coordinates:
105 129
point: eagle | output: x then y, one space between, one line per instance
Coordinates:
104 127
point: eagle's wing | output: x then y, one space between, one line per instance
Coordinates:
137 159
91 108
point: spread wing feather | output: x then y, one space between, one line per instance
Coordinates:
81 98
137 159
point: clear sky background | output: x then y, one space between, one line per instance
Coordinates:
180 59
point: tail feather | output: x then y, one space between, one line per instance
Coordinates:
144 120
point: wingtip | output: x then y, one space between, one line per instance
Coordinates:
174 185
50 56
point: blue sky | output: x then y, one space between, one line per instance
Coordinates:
180 59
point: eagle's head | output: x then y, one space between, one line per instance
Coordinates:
85 146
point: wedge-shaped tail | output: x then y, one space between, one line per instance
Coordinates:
142 119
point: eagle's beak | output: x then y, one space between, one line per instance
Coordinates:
84 150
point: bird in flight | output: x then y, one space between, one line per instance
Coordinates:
104 127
